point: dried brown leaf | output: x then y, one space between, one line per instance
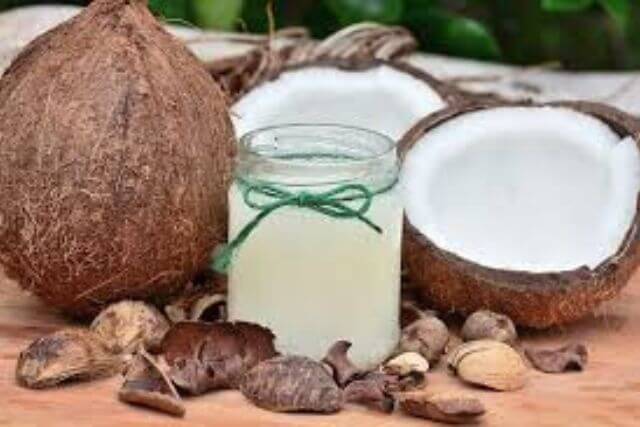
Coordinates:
209 356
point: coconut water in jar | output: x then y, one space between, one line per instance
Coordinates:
315 239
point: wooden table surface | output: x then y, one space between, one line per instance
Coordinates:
606 394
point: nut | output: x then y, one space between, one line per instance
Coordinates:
485 324
427 336
489 363
406 364
126 325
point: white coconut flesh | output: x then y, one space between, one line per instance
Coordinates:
536 189
381 98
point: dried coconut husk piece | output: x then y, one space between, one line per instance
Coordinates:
147 385
572 357
64 356
292 384
453 281
212 356
116 156
127 325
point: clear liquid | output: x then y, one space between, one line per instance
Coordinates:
315 279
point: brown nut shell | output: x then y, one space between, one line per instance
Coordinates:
126 325
490 364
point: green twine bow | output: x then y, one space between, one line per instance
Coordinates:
331 203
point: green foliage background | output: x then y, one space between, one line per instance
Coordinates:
580 34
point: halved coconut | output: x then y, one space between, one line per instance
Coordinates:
385 97
529 210
353 77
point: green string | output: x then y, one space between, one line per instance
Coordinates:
331 203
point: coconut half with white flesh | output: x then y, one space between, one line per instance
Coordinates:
351 78
384 97
528 210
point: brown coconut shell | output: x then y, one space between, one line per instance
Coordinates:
115 155
539 300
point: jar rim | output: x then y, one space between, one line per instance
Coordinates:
246 140
331 152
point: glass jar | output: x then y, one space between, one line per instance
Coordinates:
315 238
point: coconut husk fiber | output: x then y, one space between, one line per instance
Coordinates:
114 158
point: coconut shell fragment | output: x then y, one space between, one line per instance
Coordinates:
450 281
64 356
115 160
292 384
213 356
572 357
147 385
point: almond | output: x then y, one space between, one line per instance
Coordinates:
490 364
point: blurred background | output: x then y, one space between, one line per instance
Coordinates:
577 34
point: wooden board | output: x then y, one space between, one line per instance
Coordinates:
606 394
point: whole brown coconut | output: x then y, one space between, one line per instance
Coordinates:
530 298
114 159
